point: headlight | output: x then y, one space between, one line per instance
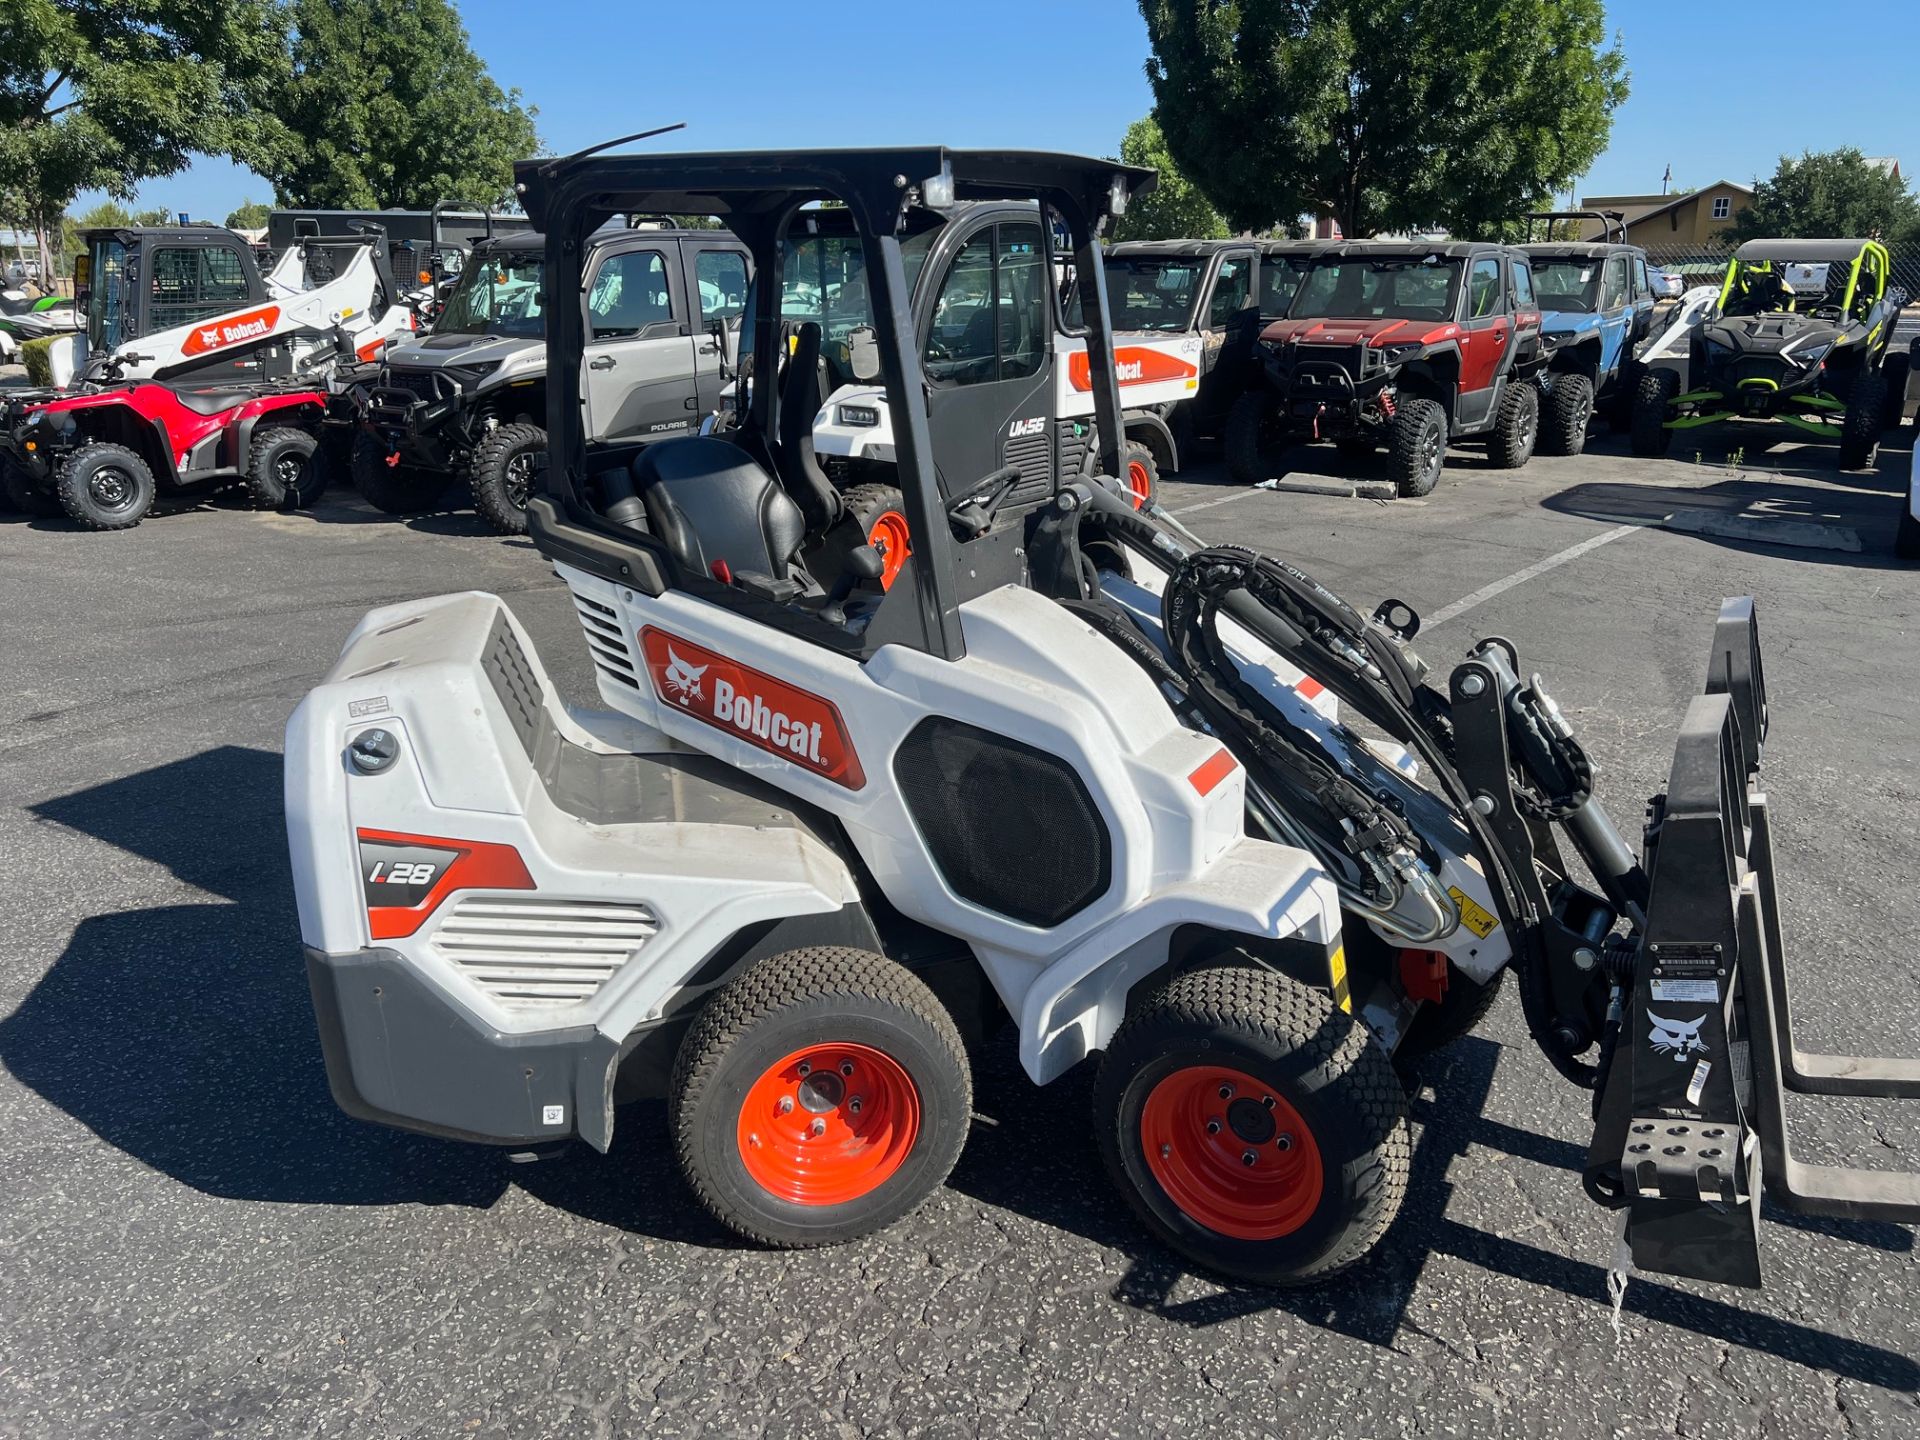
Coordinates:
1554 339
1811 353
1404 350
864 415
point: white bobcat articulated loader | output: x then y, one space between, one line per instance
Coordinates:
1070 769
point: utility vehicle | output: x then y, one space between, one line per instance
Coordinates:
25 317
1596 301
1071 770
1408 344
1813 361
470 399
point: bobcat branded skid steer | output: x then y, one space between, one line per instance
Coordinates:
1071 768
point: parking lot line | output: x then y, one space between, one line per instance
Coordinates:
1209 504
1520 577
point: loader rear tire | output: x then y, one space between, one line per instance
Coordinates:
503 473
819 1097
104 487
1516 429
1251 437
393 489
1860 429
1417 446
1564 413
1652 404
1253 1126
881 513
285 469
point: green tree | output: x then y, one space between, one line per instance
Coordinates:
101 94
252 215
1450 113
388 105
1174 209
1829 193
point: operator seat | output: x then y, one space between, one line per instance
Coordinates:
800 401
207 401
720 513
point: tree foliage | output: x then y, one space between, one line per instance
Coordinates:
1174 209
251 215
388 105
1453 113
1828 193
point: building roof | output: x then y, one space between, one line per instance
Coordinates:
1639 208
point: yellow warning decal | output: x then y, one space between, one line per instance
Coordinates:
1476 918
1337 967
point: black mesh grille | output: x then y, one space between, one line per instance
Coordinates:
506 665
1034 455
1011 828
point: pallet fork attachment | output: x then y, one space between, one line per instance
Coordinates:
1692 1121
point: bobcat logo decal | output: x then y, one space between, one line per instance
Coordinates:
1678 1038
683 680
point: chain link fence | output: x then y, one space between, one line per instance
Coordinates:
1707 264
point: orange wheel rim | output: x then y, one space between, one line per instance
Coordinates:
1139 483
888 535
828 1124
1231 1153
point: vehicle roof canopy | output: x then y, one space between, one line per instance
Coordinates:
1404 249
1800 252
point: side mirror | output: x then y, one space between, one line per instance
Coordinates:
863 354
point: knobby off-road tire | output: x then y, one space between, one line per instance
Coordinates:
1297 1169
104 487
20 492
1142 480
1626 385
286 469
1517 426
393 489
1417 446
881 513
1860 428
842 1039
1565 410
1652 408
503 473
1251 437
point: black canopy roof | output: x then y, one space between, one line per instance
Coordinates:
1801 252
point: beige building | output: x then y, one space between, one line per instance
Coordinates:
1665 220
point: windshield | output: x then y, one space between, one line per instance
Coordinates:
1388 289
1153 292
106 295
1567 284
825 280
496 295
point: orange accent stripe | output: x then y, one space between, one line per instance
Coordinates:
1209 775
477 865
1309 688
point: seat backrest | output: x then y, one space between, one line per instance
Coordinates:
711 503
800 402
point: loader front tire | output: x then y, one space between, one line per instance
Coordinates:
1254 1127
1652 406
503 473
392 489
819 1097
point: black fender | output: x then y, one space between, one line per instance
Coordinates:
1151 430
1579 359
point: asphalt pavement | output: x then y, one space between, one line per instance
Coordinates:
195 1242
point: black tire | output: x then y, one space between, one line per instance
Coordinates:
1516 427
1652 402
104 487
1142 480
881 513
394 489
503 474
1906 540
1417 446
1459 1013
1626 385
285 469
1251 437
1565 410
23 493
1355 449
1895 368
743 1050
1860 428
1324 1072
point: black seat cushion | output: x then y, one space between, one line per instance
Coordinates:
212 402
709 501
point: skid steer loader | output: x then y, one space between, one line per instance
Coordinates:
1072 768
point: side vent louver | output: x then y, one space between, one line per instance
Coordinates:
606 641
529 951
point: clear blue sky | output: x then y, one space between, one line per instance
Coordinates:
1712 96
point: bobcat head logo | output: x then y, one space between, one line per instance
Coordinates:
683 680
210 337
1678 1038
